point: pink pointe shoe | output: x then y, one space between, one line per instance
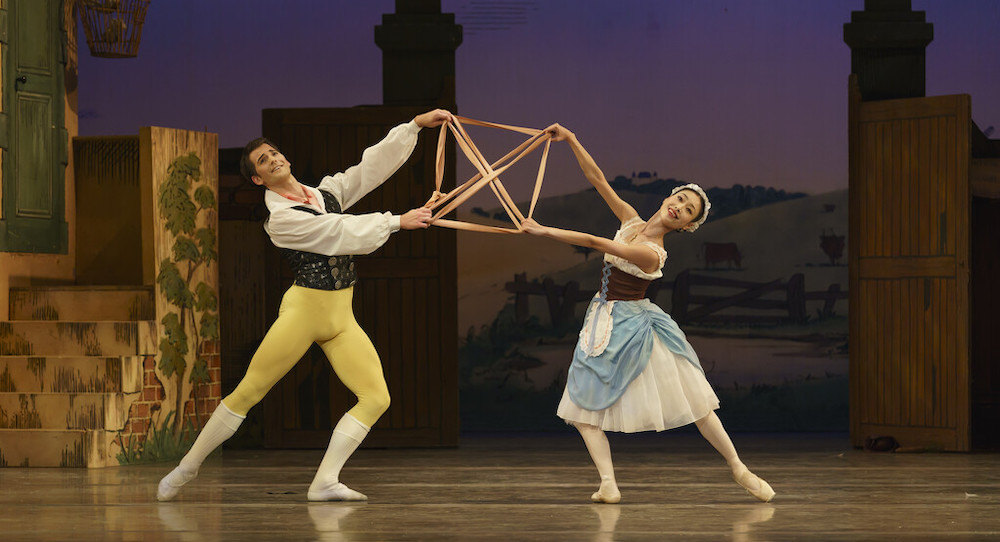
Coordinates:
754 485
608 492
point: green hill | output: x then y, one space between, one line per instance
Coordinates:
776 241
585 210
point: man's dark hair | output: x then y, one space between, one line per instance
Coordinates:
247 168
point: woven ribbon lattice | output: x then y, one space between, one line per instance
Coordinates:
488 174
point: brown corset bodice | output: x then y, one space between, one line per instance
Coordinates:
625 287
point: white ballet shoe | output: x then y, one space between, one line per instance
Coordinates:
337 492
754 485
608 492
172 483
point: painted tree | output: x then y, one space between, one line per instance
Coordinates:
583 250
194 317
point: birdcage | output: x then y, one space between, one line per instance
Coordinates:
113 27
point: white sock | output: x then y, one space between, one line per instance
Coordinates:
222 425
326 484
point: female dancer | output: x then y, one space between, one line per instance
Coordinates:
633 369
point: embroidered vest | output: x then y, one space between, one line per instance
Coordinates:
318 271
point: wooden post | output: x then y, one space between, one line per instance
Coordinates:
831 298
569 298
521 305
552 293
797 298
681 293
179 183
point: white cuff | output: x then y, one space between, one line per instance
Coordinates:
394 223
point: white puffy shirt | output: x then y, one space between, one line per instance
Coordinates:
337 234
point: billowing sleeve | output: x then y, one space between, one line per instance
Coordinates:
331 234
378 163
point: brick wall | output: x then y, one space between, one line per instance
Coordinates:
150 400
209 393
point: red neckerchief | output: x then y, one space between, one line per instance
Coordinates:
307 197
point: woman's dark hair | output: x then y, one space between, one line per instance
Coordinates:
247 168
704 207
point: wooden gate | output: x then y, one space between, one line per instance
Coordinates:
406 297
909 270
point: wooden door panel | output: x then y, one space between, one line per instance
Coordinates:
34 170
904 210
903 382
36 143
909 271
34 35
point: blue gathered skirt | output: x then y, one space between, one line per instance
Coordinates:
644 375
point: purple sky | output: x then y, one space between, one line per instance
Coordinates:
710 91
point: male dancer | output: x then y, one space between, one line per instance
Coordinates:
318 239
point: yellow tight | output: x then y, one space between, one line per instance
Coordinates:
326 318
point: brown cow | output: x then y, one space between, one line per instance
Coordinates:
722 252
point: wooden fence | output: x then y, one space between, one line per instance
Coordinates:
687 305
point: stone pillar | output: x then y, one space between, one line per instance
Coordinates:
888 42
418 45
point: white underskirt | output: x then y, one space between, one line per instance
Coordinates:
670 392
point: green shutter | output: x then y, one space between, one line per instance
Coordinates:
34 138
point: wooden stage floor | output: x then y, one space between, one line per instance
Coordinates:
526 487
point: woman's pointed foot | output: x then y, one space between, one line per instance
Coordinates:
754 485
608 492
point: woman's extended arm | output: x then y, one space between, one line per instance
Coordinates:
622 210
642 256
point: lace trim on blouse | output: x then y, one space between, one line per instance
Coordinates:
629 229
